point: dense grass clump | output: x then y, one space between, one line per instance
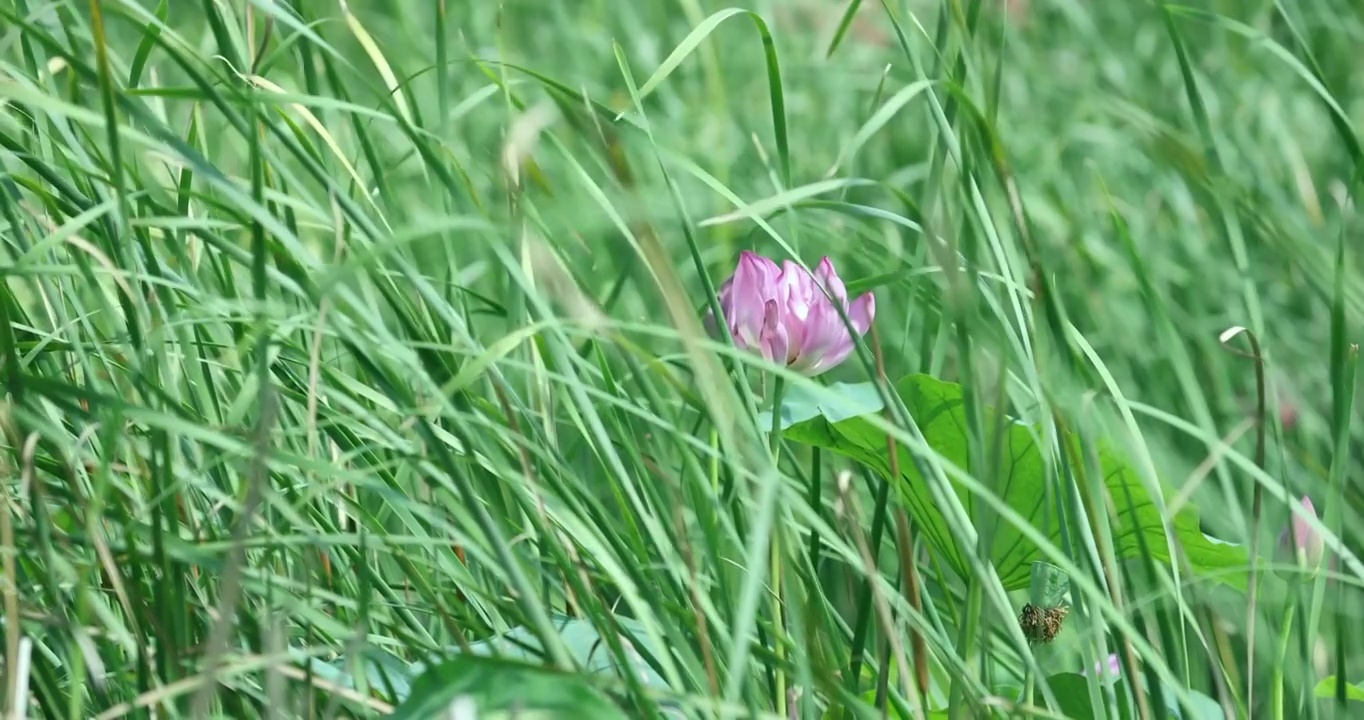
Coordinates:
356 359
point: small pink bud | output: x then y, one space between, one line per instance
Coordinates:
783 314
1108 667
1288 415
1300 542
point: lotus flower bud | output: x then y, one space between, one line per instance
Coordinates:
783 314
1300 542
1288 414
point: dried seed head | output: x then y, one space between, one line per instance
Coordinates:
1042 625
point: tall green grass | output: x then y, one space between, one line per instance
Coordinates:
339 337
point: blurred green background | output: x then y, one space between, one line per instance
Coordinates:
352 330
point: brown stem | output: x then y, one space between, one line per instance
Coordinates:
904 539
1256 502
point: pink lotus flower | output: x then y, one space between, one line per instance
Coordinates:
783 314
1305 544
